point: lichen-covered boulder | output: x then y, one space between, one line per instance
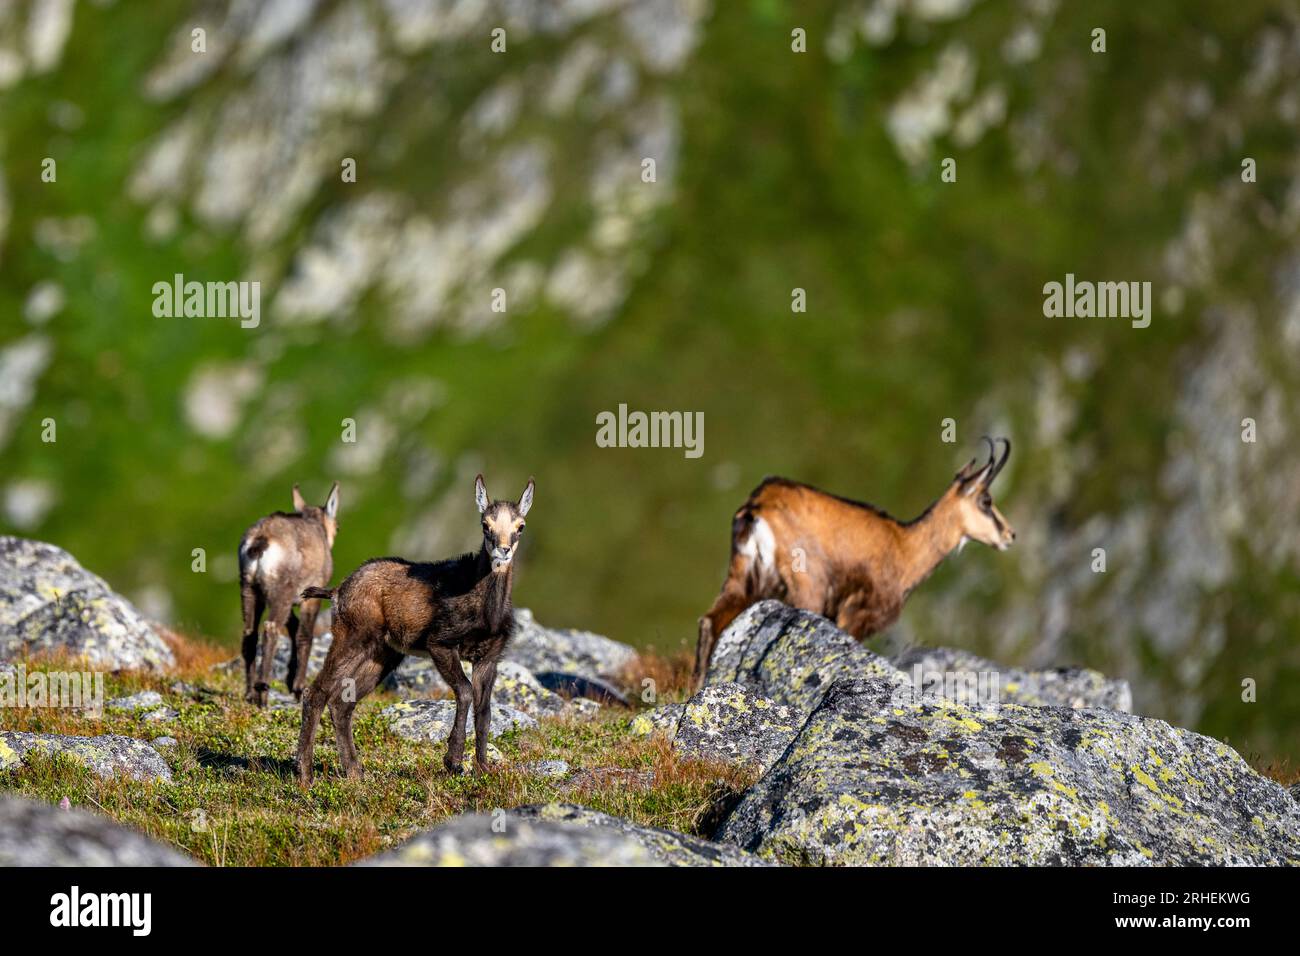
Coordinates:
37 834
49 603
416 677
548 769
581 708
790 656
142 702
106 756
729 723
666 846
1059 687
661 720
482 839
433 719
582 653
517 687
872 779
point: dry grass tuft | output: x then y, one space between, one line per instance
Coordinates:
670 672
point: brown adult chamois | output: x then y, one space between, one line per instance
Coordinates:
389 608
846 560
279 556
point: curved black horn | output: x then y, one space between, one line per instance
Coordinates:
1006 453
993 452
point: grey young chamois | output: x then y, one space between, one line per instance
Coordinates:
445 610
279 556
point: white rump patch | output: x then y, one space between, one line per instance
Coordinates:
268 562
760 546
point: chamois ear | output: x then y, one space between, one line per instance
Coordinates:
973 476
480 494
977 481
332 502
526 499
299 502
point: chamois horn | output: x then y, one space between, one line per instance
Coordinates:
1006 453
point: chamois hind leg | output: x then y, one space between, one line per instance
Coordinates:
348 651
302 641
253 605
279 608
367 672
447 660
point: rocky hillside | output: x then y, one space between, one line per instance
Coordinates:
1169 158
802 748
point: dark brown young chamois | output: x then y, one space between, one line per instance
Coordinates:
278 557
846 560
445 610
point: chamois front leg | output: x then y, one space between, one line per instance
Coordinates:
485 677
726 608
447 661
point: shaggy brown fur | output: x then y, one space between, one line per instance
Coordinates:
845 560
447 610
278 557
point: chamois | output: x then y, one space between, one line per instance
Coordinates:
279 556
389 608
844 559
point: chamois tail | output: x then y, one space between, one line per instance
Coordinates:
314 592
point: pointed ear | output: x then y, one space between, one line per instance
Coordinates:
299 503
480 494
977 482
526 499
974 481
967 473
332 502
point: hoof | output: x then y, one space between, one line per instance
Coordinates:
452 768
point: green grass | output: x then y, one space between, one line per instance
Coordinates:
234 799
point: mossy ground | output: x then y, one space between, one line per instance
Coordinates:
234 801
